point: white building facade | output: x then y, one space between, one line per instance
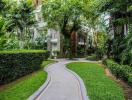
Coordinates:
53 40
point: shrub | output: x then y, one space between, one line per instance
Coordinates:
130 78
100 52
92 57
56 53
120 71
15 64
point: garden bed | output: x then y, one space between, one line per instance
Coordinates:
123 72
126 87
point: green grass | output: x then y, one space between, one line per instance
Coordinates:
99 86
22 88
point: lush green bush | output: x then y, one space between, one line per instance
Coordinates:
100 52
126 54
120 71
92 57
15 64
130 78
56 53
100 49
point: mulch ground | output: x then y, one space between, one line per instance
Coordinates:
126 87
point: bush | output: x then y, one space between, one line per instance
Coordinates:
56 53
130 78
120 71
15 64
92 57
100 52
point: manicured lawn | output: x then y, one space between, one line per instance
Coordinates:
99 86
22 88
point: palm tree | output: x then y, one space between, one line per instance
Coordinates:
20 20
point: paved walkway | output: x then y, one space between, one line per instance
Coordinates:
63 84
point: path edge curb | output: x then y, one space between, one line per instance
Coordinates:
43 87
81 83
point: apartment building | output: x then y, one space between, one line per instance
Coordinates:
53 40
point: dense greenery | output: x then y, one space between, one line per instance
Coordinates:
17 24
120 71
21 51
86 18
72 17
92 57
98 85
96 29
19 63
22 88
120 17
19 20
65 16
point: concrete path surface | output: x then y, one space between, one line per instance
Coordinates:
62 84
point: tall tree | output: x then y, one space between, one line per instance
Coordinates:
65 15
121 16
20 20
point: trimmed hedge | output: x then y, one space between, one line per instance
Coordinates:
15 64
120 71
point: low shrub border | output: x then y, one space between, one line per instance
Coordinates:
92 57
130 78
15 64
120 71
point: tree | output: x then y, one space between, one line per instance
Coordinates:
120 17
66 15
20 20
126 54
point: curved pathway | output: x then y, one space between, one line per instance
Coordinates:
62 84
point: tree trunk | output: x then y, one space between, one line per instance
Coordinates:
85 46
74 43
61 45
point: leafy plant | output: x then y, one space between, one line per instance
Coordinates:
100 45
19 63
19 20
120 71
126 54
